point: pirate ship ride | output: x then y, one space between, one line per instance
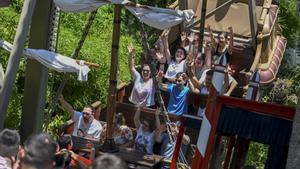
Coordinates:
258 50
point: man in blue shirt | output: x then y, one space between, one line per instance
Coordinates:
178 93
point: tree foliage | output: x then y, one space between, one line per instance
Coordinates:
289 18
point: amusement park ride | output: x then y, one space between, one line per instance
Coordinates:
257 54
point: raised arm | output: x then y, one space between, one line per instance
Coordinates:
157 121
230 47
183 38
161 54
161 85
208 57
191 39
192 87
196 45
212 39
167 53
193 79
137 121
66 105
130 58
190 84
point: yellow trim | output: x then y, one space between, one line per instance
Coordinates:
181 165
266 65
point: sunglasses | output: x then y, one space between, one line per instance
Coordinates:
86 113
145 70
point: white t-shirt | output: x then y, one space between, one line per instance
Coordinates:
175 68
144 141
199 73
5 163
142 92
90 130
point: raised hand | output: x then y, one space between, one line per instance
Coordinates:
130 48
160 74
191 38
159 55
207 45
208 28
189 59
183 36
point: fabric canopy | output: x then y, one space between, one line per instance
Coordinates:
53 60
158 18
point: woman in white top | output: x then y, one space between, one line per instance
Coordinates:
143 89
176 63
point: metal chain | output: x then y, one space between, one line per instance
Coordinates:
54 27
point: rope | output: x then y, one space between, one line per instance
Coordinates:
158 93
74 55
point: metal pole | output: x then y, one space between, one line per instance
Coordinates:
109 145
202 25
14 58
253 23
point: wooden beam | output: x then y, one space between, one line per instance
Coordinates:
202 25
14 58
112 91
253 23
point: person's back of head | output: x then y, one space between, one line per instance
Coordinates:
62 159
109 161
65 141
9 143
39 151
